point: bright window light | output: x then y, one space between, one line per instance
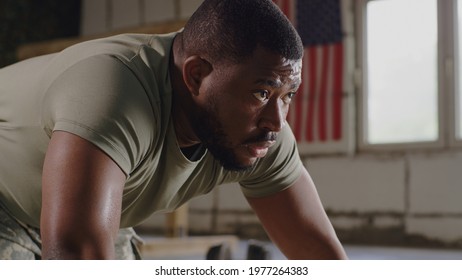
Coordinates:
402 85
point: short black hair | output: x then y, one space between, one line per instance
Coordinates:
233 29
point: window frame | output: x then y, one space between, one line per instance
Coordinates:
455 117
446 80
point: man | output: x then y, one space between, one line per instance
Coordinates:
107 132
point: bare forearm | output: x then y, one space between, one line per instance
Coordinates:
74 254
309 248
297 223
77 248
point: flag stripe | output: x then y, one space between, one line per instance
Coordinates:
329 89
286 9
338 91
311 94
300 100
323 93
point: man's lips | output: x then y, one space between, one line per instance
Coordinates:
259 149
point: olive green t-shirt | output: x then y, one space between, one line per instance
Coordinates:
116 93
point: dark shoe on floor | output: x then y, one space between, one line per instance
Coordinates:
258 250
219 252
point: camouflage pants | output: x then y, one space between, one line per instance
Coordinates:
22 242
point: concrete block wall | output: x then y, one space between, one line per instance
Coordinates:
411 198
435 203
343 183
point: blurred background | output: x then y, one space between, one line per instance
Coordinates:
378 117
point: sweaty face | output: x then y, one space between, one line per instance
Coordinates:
244 106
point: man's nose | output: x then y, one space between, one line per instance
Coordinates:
273 116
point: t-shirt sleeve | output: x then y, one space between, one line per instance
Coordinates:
278 170
101 100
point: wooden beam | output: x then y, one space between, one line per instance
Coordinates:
177 222
40 48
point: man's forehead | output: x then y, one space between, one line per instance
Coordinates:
278 82
284 72
268 69
270 58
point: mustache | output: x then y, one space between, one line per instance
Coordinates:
262 137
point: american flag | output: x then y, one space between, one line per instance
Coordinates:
316 114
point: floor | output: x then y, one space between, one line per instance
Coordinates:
355 252
396 253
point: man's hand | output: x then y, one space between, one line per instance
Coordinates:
81 200
297 223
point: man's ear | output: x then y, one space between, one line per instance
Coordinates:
195 69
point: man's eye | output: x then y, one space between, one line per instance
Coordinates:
288 97
261 95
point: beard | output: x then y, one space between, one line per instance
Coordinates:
212 135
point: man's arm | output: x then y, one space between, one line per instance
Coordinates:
81 200
296 222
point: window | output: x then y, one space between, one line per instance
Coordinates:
406 50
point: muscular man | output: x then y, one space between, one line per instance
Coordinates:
100 136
